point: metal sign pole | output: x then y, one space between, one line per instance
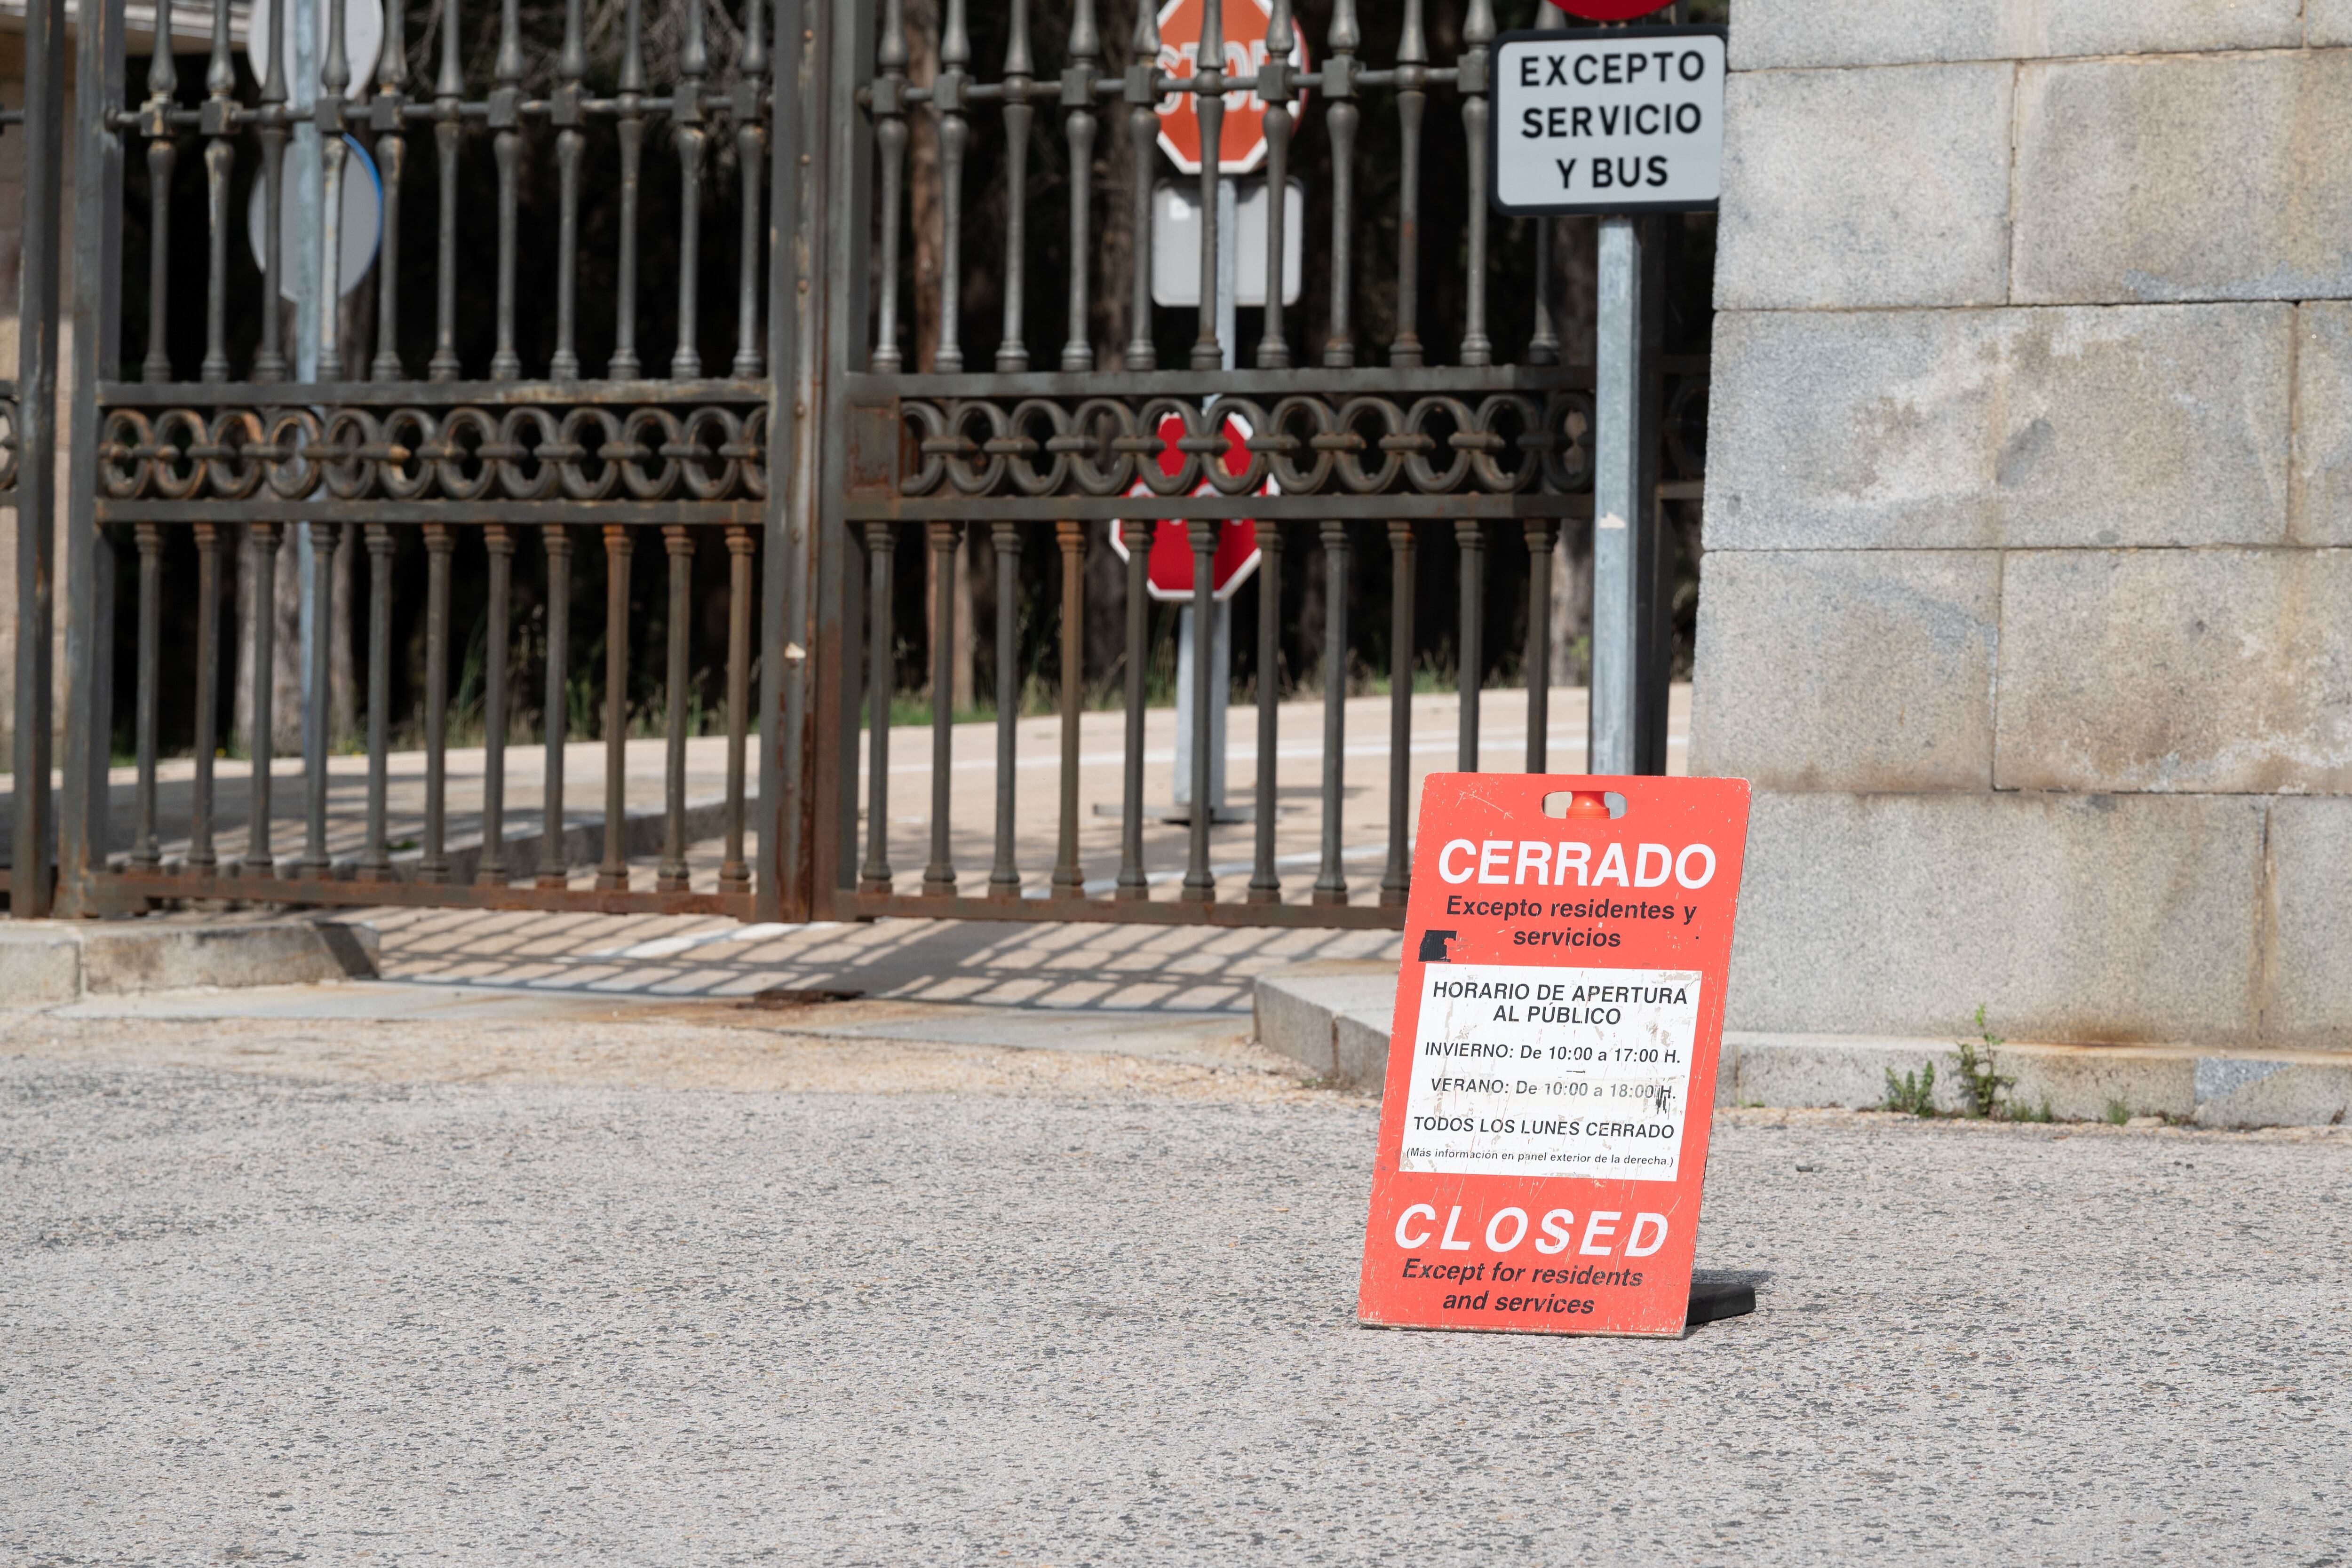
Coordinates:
1221 641
1616 497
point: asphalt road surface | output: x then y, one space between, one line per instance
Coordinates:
1101 1319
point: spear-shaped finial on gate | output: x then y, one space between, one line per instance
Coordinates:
1478 40
1209 111
1340 123
1078 130
218 124
949 93
751 143
327 112
568 114
1273 89
269 359
687 121
162 87
1142 97
890 152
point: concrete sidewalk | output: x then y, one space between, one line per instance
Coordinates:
1333 1016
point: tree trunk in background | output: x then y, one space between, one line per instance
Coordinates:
1571 606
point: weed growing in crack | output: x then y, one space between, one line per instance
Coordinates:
1981 1083
1914 1093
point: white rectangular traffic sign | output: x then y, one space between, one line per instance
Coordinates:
1629 119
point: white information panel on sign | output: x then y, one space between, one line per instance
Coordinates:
1626 120
1520 1070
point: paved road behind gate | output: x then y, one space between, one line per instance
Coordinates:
657 1292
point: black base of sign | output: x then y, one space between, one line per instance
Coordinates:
1710 1302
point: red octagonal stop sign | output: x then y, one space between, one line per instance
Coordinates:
1169 569
1241 143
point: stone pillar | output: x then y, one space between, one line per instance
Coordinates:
2027 604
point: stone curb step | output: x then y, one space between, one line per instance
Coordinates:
1333 1017
47 962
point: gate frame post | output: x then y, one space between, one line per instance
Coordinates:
841 61
37 454
88 563
797 292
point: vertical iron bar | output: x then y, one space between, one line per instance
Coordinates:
316 707
687 132
40 276
263 559
1617 501
221 116
567 115
1265 886
1141 95
1208 351
86 693
554 864
874 876
1005 877
1200 883
500 542
1013 352
375 860
327 110
613 874
1132 882
949 94
1478 39
269 359
1396 882
734 873
751 159
1412 103
506 146
1470 674
202 857
891 151
1078 129
163 156
1069 882
1274 87
143 851
386 117
1543 342
433 865
448 91
1538 654
1331 882
670 876
939 876
631 129
1340 123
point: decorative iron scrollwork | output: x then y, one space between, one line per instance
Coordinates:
7 442
1307 444
651 452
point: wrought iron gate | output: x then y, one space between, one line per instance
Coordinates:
493 457
802 460
1365 454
